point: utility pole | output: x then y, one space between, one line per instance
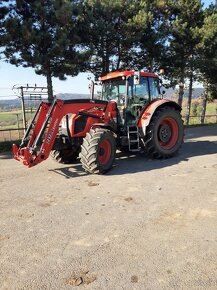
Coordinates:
18 125
23 109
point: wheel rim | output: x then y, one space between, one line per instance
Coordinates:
105 152
168 132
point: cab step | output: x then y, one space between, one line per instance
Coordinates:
133 138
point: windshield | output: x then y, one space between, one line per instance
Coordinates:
114 90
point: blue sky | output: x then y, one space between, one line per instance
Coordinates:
11 75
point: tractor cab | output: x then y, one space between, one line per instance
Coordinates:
132 91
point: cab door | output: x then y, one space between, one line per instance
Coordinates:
138 98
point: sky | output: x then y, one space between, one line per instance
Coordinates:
11 75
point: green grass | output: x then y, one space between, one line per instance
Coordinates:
211 108
9 119
195 118
10 116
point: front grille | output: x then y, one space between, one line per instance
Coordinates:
80 124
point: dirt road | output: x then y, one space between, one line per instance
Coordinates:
148 224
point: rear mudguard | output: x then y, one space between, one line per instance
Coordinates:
148 112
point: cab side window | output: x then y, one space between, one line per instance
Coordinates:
138 97
139 92
154 88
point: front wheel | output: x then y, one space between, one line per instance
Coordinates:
98 151
164 134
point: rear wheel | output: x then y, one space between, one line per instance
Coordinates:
63 151
98 151
164 134
65 156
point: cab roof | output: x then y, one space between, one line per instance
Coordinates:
117 74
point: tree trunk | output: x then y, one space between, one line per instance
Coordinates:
189 99
119 59
105 60
49 86
151 65
204 103
181 93
107 63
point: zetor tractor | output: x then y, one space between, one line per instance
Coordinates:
130 115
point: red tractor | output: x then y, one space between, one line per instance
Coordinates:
130 115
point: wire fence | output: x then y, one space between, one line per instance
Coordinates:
11 134
12 125
17 133
16 116
198 120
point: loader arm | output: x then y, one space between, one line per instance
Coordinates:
36 147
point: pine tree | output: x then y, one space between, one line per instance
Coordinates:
153 35
111 33
184 19
43 35
207 62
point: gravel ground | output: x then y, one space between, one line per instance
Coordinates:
148 224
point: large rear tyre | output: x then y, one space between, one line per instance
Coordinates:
98 151
164 134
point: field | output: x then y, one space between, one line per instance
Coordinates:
196 110
10 119
13 119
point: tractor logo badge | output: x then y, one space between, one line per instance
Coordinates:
51 132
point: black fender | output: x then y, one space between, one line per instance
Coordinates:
111 126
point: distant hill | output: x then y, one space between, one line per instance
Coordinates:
67 96
16 103
172 94
12 103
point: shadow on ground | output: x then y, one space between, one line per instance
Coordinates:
139 163
6 155
201 131
131 163
74 170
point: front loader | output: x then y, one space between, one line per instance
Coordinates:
130 115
